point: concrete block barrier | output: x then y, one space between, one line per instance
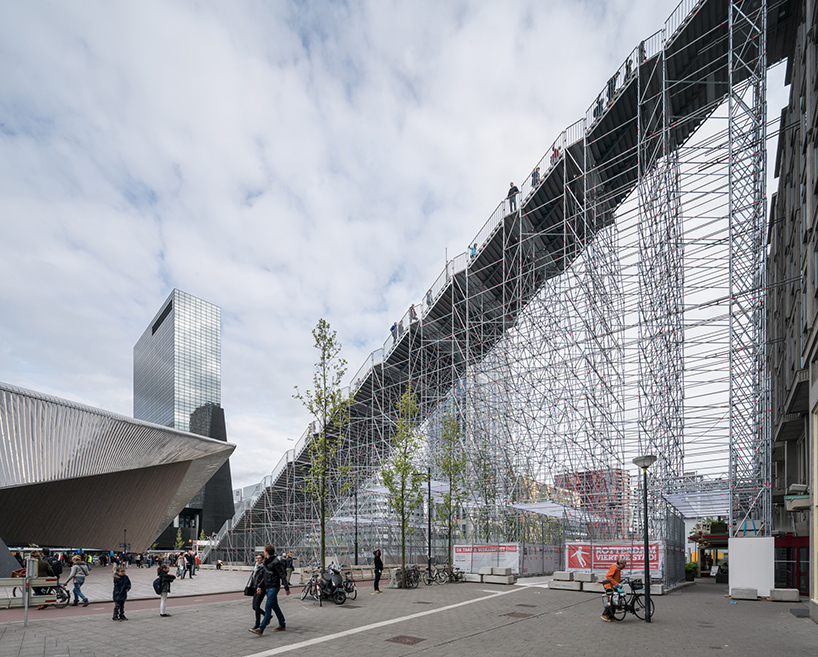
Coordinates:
785 595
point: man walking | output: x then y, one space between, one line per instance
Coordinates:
274 577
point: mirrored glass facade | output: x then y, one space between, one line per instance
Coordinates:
177 362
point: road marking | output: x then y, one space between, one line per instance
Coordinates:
375 626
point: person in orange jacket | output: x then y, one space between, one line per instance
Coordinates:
612 579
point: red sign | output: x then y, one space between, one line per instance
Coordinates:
587 556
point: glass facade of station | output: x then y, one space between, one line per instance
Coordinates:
177 362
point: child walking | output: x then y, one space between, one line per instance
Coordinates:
122 584
165 578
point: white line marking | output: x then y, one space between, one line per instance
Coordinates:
375 626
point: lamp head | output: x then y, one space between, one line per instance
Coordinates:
645 461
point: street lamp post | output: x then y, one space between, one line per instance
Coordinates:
645 462
429 523
356 525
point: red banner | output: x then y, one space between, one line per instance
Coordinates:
587 556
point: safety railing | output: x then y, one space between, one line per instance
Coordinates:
679 16
551 159
621 77
575 133
652 46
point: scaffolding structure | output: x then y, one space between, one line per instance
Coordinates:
616 307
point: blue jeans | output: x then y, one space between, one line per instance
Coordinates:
78 592
272 605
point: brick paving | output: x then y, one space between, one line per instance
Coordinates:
455 620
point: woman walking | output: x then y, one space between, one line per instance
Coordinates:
78 573
257 582
165 578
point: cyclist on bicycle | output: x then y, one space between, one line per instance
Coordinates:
613 578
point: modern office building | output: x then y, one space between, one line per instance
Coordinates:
792 323
177 383
76 476
177 362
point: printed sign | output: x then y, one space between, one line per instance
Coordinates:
589 557
473 557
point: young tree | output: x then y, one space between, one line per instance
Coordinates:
179 543
486 485
451 462
330 408
401 478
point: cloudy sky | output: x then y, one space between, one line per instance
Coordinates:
284 160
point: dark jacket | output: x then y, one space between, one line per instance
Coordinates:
122 584
257 578
164 581
44 569
275 575
378 562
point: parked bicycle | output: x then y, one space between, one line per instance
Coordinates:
311 588
59 591
434 576
412 577
349 585
622 602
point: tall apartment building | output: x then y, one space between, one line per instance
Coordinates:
793 319
177 383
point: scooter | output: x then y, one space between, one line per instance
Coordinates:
331 586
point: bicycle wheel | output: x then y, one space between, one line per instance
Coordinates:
639 607
352 591
63 597
428 578
441 577
305 592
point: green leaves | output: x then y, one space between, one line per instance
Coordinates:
451 463
330 408
400 475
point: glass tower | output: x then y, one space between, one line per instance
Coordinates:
177 362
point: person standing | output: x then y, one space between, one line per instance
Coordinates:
257 582
288 565
122 584
512 197
77 575
612 579
165 578
43 570
378 570
54 562
394 332
274 575
429 297
535 178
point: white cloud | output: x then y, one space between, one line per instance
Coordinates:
284 165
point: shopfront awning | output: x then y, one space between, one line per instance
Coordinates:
701 504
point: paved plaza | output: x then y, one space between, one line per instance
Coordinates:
211 619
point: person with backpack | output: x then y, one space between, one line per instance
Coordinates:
162 586
79 571
54 562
